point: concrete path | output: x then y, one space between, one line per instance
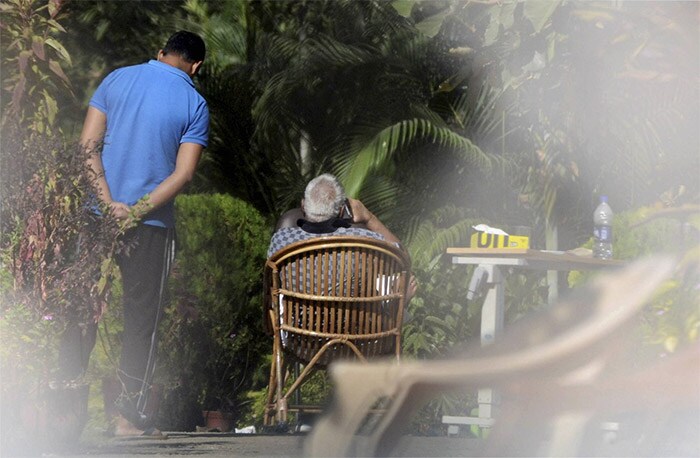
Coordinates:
684 443
213 445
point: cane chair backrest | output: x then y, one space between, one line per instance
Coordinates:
337 296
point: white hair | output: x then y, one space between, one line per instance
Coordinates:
323 198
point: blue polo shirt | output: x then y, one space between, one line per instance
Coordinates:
151 109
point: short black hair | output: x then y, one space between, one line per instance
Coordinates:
187 45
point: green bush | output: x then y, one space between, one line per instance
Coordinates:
213 344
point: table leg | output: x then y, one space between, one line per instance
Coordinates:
492 312
492 317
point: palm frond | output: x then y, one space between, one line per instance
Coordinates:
355 167
430 242
326 51
380 194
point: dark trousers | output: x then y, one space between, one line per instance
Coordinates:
144 267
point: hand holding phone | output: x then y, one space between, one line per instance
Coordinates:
346 212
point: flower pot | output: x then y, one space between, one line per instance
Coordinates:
217 420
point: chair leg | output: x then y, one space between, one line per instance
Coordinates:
271 390
276 406
280 399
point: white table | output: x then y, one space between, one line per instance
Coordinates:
492 312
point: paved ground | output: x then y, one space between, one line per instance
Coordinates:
212 445
681 439
215 445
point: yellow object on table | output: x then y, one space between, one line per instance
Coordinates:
486 240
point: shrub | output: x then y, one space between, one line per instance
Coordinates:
56 254
213 342
56 259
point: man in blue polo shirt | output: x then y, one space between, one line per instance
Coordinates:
152 125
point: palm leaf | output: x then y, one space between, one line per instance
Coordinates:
429 242
325 51
355 168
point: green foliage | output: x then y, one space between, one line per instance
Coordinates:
34 61
114 35
48 223
440 316
223 27
619 124
375 153
28 349
584 108
213 342
56 259
350 87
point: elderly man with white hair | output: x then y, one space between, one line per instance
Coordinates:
322 210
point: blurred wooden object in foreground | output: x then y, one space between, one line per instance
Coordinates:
559 371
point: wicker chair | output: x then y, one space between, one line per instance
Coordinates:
330 298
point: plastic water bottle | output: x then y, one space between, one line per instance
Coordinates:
602 230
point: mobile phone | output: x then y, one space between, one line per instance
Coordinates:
346 211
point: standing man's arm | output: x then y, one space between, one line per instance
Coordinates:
185 165
188 156
91 138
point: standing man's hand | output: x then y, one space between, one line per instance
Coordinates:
119 210
129 216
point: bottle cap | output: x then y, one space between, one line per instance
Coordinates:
603 198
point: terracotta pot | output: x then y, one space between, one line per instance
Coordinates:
215 419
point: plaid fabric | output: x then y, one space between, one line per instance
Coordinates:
288 235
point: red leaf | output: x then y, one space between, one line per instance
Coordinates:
56 68
38 48
18 93
23 59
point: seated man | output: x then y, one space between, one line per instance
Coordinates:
321 207
322 214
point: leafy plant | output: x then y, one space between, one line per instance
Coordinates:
57 258
214 342
28 345
34 62
59 251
